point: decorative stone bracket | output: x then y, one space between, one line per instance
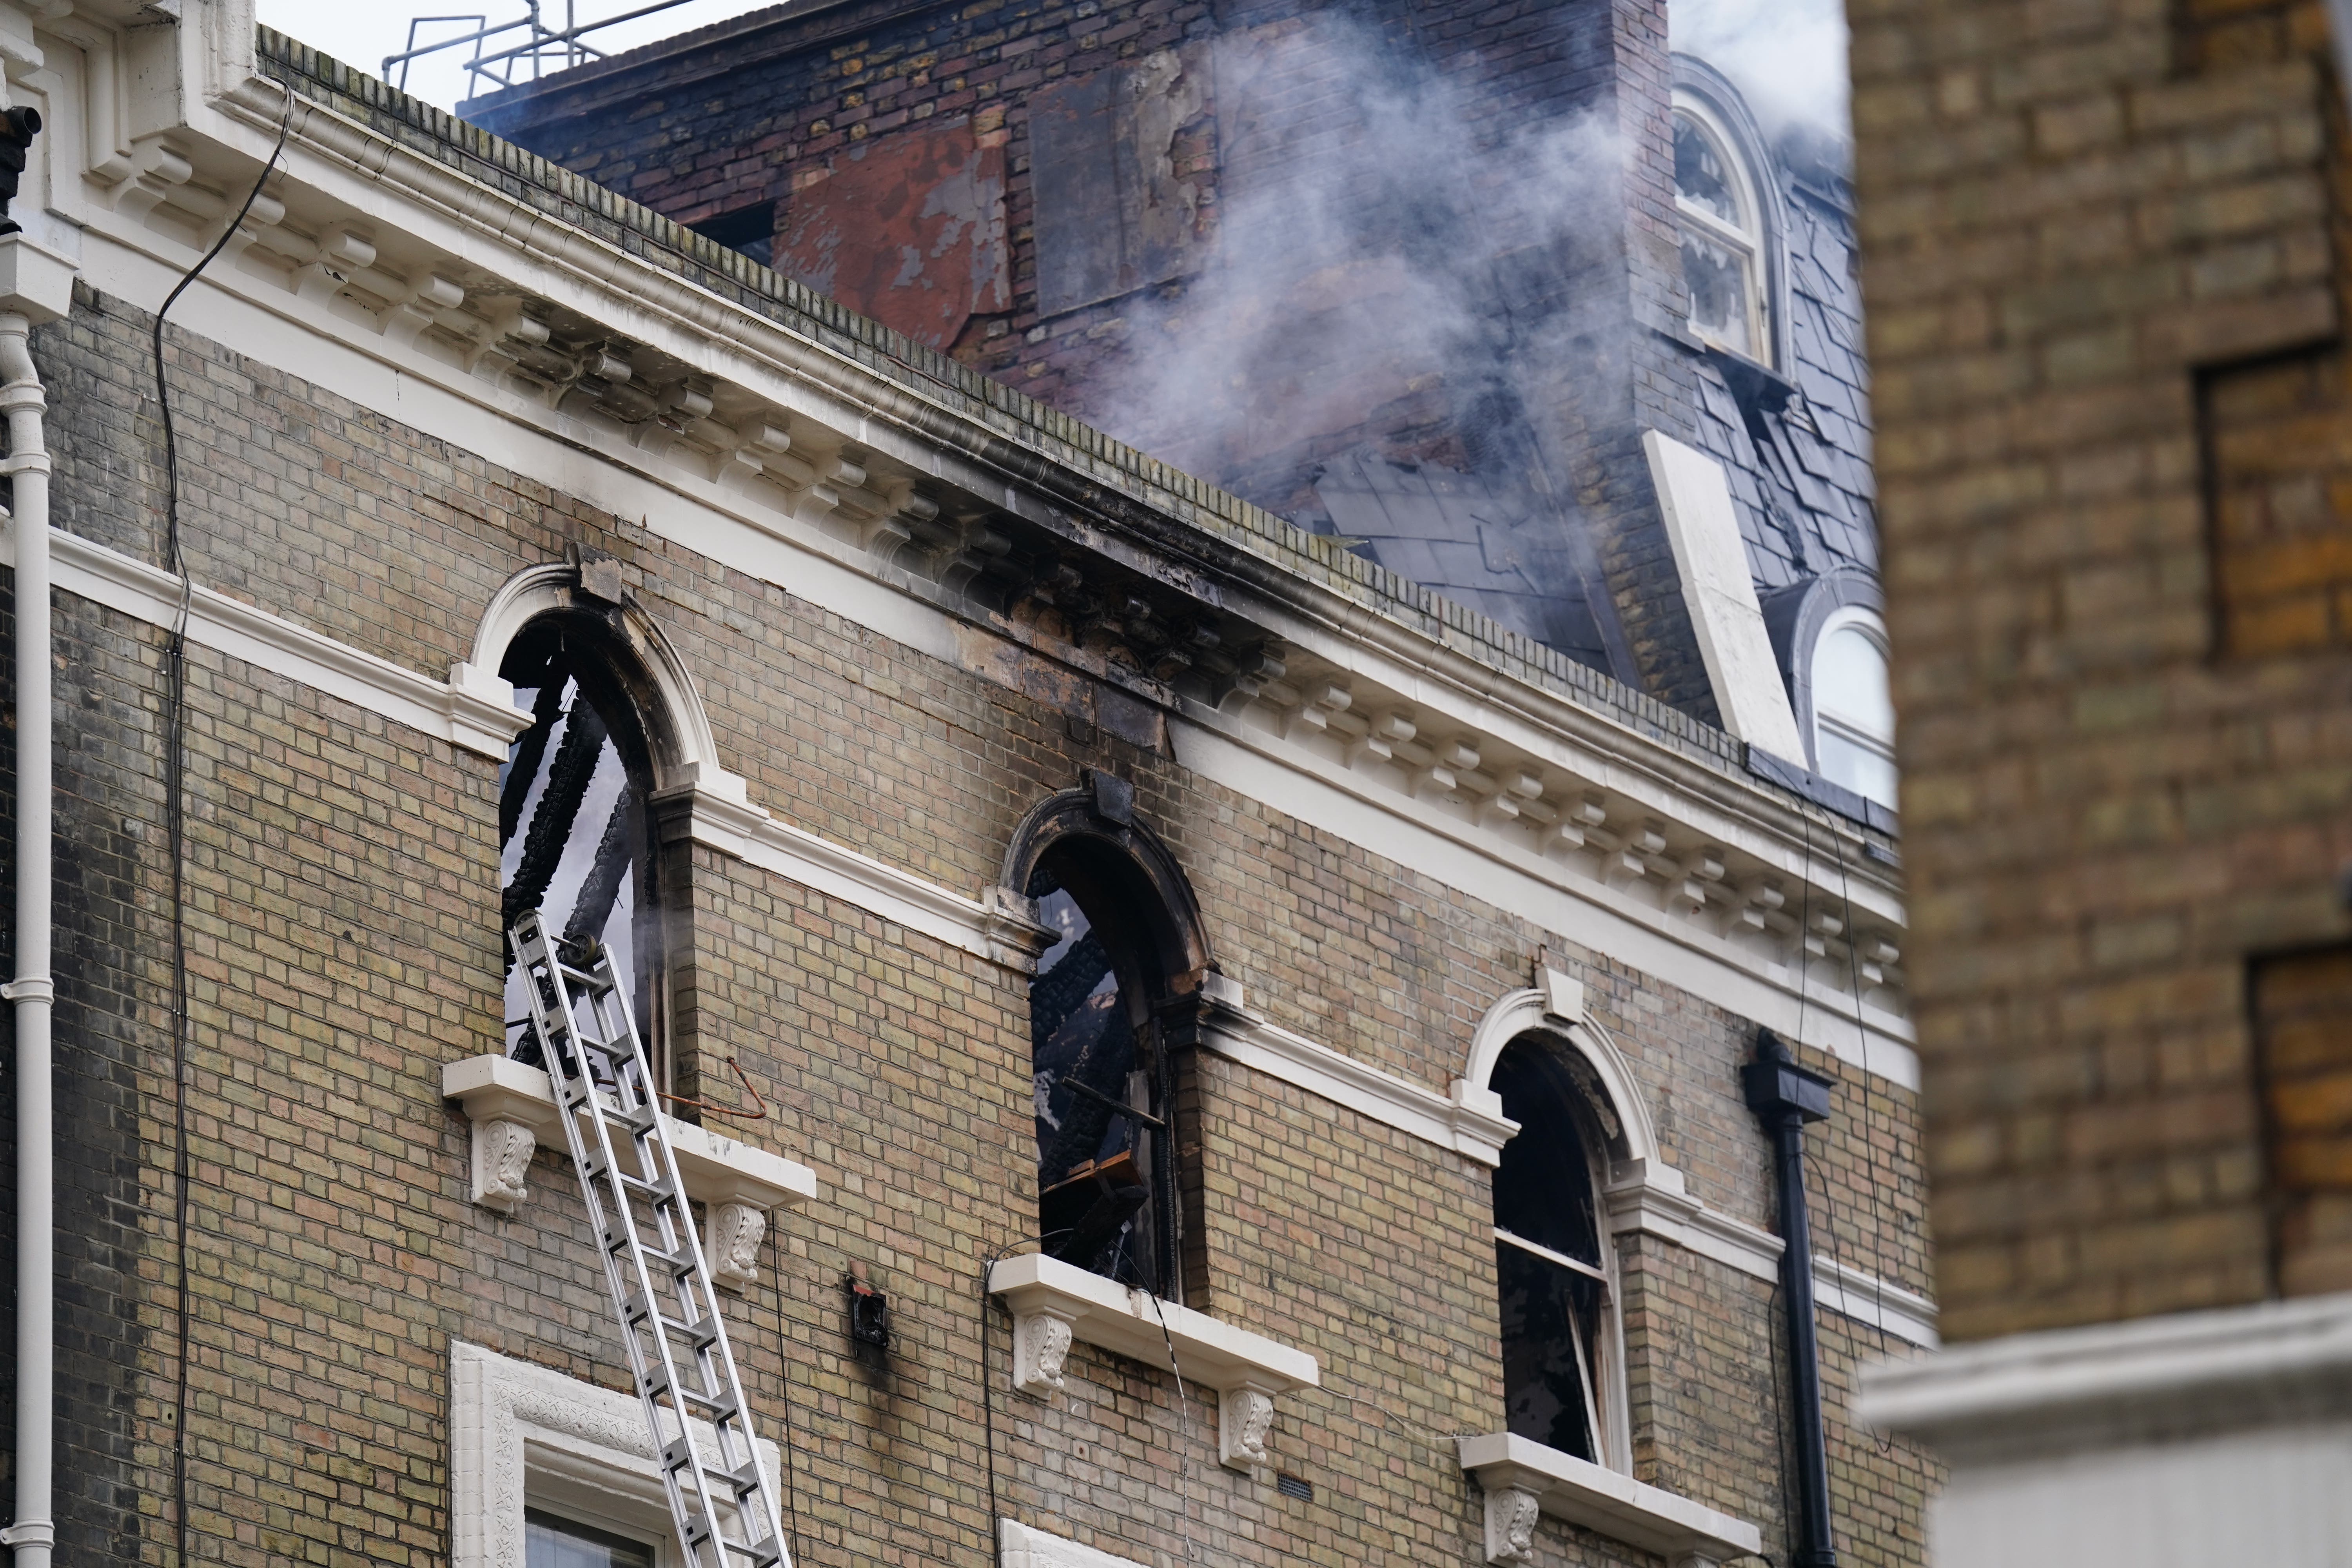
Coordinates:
512 1109
1523 1478
1055 1303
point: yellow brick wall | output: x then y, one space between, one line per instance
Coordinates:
2102 260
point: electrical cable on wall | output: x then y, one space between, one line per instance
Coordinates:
176 765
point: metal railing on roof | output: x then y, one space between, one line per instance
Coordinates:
542 47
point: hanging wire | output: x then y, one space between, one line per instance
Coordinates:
176 832
784 1394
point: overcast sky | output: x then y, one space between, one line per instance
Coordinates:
1788 55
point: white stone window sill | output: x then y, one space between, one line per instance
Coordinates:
1053 1302
512 1108
1522 1477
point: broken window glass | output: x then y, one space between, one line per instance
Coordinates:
1718 280
1702 176
574 840
1096 1095
1550 1264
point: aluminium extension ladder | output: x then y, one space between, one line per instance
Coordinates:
723 1505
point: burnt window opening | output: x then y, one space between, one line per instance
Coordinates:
1554 1270
575 825
1103 1079
751 230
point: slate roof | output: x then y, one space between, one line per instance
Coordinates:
1800 469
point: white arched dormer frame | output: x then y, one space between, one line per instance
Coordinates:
1716 108
685 755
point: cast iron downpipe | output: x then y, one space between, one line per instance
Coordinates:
33 992
1785 1097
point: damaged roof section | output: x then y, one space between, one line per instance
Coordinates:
1796 449
1452 533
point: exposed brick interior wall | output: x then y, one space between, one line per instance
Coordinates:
2102 255
343 920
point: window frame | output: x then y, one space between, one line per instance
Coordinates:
1604 1365
1166 958
1873 626
1713 106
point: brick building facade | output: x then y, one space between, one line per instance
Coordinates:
2104 254
901 689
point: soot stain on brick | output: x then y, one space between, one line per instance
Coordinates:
102 768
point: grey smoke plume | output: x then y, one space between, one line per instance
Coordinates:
1788 57
1354 285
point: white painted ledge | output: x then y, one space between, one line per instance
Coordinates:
1511 1469
1229 1028
2070 1389
717 1169
1053 1302
1019 1546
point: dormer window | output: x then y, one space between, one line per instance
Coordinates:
1725 269
1854 713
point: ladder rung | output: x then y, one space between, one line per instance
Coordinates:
763 1553
745 1478
700 1335
659 1189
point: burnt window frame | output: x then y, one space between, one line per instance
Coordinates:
1719 113
1160 955
1582 1111
615 649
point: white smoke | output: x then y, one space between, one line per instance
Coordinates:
1788 57
1352 285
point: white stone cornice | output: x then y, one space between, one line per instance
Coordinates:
1230 1029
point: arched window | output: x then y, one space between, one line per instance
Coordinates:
576 837
1109 1011
1727 267
1562 1348
1854 712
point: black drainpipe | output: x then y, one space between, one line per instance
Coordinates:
1785 1097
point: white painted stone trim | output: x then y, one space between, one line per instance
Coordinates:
1019 1546
1557 1007
494 1089
522 1434
1230 1029
468 717
1053 1302
1601 1500
2065 1390
1695 499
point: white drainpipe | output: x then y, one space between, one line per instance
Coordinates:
34 1532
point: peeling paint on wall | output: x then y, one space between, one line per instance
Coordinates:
908 229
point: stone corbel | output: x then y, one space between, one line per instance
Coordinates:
732 1244
1041 1344
1244 1421
1511 1515
501 1157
